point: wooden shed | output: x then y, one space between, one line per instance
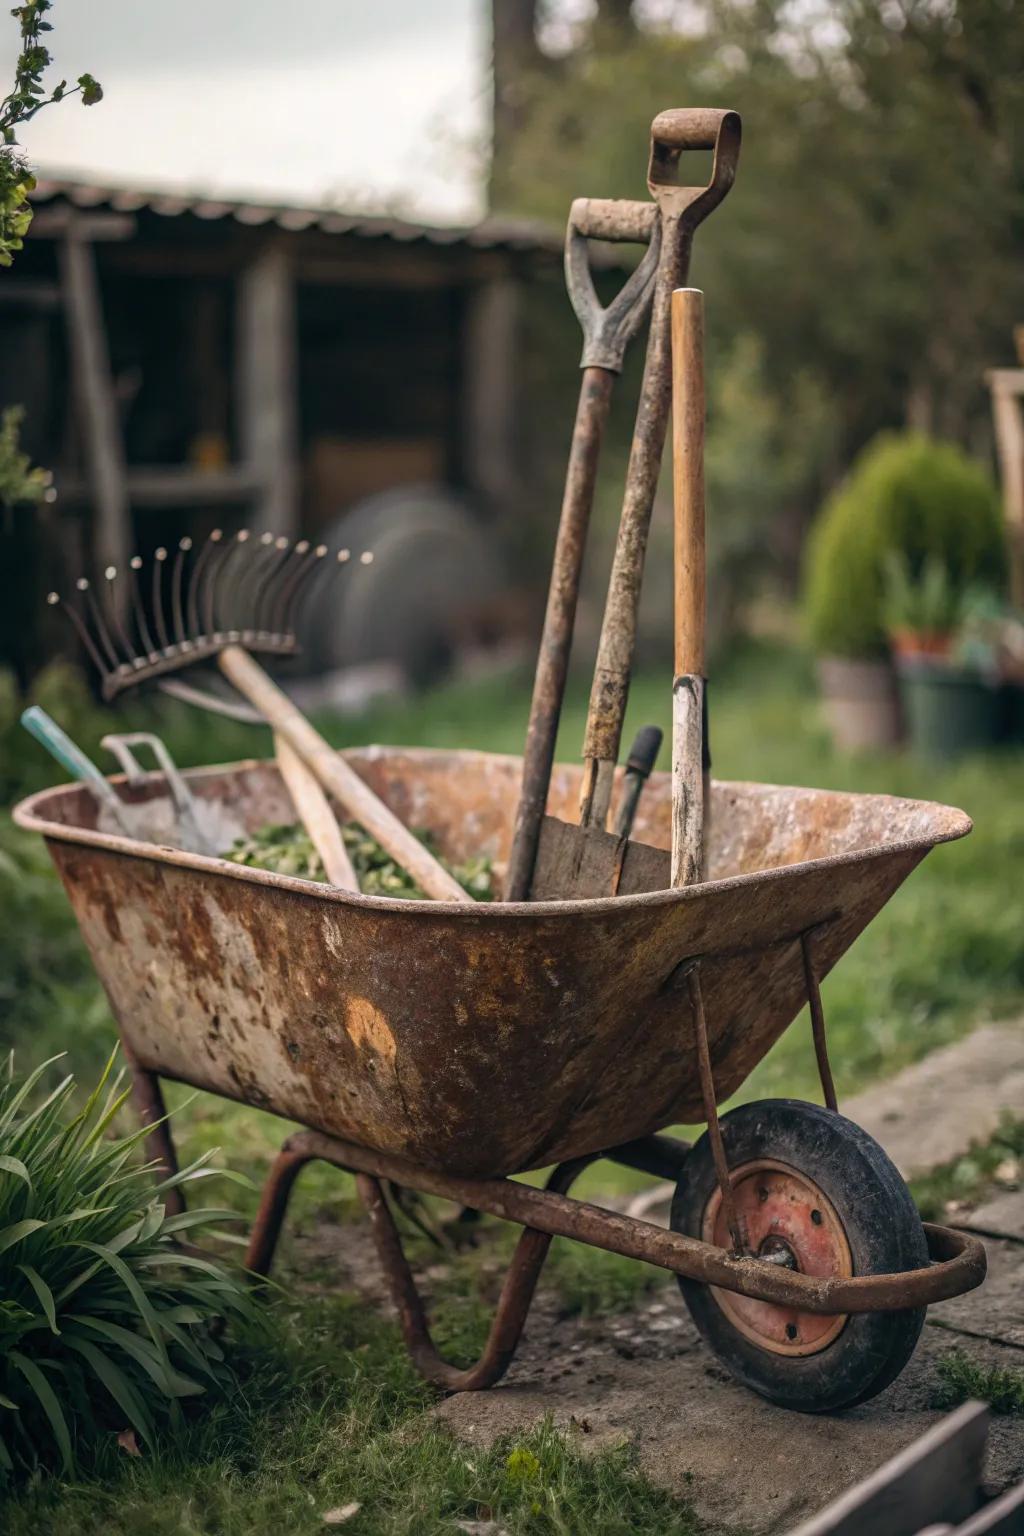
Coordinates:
186 363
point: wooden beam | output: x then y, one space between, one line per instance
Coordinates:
267 381
164 487
95 403
57 222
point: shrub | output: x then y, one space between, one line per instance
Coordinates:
907 495
104 1325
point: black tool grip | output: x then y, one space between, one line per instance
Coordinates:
643 754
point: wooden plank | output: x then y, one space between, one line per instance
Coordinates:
1003 1517
95 403
267 377
935 1479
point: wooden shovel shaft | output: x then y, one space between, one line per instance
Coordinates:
314 811
336 777
689 583
689 559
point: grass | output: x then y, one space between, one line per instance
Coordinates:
331 1413
968 1180
960 1377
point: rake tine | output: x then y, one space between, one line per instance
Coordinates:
303 585
211 557
99 623
131 656
282 597
265 596
264 556
81 629
177 612
138 610
160 624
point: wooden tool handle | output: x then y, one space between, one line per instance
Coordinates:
314 811
689 563
688 789
337 777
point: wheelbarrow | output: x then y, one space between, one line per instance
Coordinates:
446 1048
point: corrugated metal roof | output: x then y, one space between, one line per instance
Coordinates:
489 234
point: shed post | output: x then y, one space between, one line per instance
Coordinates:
95 402
267 382
489 391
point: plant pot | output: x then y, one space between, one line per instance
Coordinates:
920 642
949 712
1011 714
861 703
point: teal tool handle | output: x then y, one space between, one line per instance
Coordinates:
59 744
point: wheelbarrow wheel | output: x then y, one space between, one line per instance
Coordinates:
815 1193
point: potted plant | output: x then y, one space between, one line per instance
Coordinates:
906 495
946 659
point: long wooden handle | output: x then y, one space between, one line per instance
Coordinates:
689 563
337 777
689 586
314 811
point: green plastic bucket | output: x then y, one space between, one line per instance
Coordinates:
948 712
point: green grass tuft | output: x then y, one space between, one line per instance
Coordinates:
1002 1387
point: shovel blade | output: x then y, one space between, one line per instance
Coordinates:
574 863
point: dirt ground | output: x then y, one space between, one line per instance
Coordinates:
646 1378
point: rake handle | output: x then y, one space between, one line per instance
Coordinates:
336 777
314 811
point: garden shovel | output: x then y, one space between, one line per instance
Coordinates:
586 860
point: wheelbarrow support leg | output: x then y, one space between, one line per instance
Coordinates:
828 1087
707 1088
149 1103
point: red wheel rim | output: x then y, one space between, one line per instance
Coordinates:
784 1215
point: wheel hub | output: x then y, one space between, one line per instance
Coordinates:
789 1222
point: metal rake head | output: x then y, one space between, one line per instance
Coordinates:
242 589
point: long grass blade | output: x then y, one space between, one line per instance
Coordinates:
44 1294
48 1402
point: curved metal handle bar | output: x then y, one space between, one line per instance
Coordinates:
516 1293
608 332
681 129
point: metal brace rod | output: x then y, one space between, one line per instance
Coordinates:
828 1087
707 1088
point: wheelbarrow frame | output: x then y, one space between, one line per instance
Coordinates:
109 877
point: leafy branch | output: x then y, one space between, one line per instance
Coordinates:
28 97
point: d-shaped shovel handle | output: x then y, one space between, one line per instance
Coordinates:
607 332
682 128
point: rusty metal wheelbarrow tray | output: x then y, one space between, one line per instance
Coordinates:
476 1041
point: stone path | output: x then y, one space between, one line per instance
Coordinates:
930 1113
647 1378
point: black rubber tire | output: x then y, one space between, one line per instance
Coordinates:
883 1230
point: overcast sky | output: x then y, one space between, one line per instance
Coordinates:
363 103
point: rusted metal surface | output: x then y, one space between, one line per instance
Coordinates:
681 210
737 1232
606 335
480 1039
958 1259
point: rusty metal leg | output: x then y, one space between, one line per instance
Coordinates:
513 1305
828 1087
149 1103
707 1088
266 1229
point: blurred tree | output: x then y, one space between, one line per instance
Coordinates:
873 238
